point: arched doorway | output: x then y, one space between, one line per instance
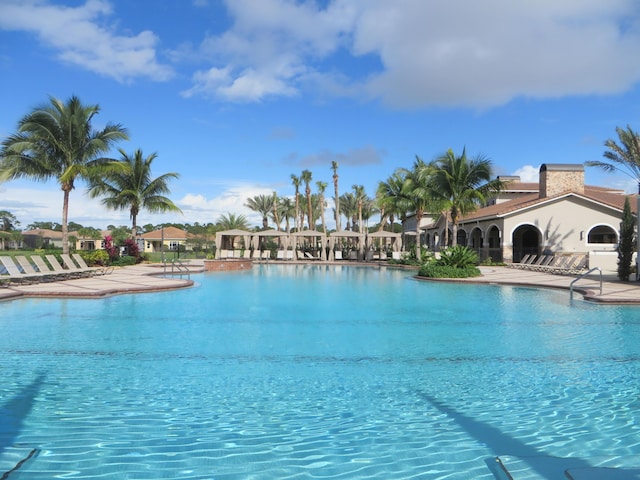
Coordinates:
526 241
461 237
495 247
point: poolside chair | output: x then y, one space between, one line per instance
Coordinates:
72 267
280 255
97 270
55 265
338 254
266 255
15 274
246 253
289 254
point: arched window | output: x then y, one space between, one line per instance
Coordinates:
602 234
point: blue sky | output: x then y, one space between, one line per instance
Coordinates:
237 95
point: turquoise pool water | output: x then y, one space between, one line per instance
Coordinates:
300 372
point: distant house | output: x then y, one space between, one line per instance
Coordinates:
171 237
560 214
42 238
88 244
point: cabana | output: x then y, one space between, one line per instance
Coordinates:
281 237
227 243
317 239
355 238
394 240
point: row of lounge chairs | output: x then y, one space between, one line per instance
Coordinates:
560 264
36 269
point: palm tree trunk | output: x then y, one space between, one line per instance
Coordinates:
65 221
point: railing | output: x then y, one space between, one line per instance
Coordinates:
178 268
581 277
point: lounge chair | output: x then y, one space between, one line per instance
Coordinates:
15 274
280 255
266 254
97 270
246 253
57 268
289 254
524 261
72 267
395 255
338 254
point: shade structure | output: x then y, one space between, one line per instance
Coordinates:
357 238
283 238
227 238
319 237
394 238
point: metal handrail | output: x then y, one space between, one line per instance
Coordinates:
581 277
178 268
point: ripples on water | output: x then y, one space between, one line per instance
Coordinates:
314 372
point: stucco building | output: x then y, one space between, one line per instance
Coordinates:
560 214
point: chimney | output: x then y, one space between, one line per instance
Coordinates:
556 178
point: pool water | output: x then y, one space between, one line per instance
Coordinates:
300 372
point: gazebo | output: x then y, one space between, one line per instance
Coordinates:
394 239
320 237
358 238
282 237
227 239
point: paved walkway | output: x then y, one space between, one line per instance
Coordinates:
132 279
145 278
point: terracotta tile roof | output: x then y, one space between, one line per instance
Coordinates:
170 233
600 195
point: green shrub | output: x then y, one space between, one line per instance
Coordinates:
95 257
457 257
124 261
433 270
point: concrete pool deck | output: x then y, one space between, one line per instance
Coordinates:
149 278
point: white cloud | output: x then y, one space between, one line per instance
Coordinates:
429 53
528 174
79 37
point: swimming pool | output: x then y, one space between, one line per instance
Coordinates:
292 372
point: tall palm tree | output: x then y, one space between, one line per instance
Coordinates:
306 178
276 210
322 186
262 204
57 141
132 187
296 183
231 221
463 184
624 157
361 197
336 197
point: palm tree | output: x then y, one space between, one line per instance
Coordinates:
349 206
418 195
132 187
463 184
262 204
296 183
336 197
624 157
287 210
389 197
361 197
306 178
322 186
58 141
276 210
231 222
